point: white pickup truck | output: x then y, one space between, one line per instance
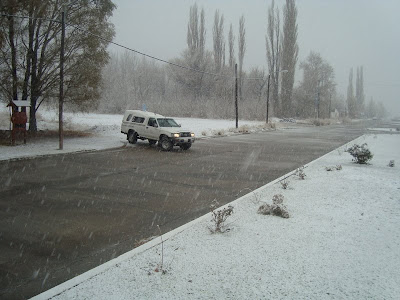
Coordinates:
155 128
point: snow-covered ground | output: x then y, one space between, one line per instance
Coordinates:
342 241
104 130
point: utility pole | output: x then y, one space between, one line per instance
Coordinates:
269 76
317 99
236 97
61 100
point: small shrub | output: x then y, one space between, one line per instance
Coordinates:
204 133
244 129
285 184
361 153
219 132
391 163
300 173
218 217
276 208
333 168
277 199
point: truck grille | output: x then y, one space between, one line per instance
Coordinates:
185 134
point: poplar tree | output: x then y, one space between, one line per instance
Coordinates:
290 51
273 46
351 103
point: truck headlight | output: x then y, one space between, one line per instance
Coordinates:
175 135
192 134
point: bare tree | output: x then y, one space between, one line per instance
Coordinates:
360 109
371 109
290 50
242 50
316 88
231 42
195 57
351 102
196 32
219 41
273 46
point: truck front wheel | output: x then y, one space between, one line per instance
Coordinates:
165 143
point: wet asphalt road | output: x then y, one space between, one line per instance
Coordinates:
63 215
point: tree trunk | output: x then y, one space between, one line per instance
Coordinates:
11 34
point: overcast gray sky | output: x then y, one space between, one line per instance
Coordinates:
347 33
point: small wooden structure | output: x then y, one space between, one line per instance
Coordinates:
18 118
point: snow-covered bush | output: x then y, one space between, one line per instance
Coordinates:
391 163
361 153
333 168
276 209
300 173
285 184
218 217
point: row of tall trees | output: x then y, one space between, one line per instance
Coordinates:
30 42
357 108
282 53
210 92
355 102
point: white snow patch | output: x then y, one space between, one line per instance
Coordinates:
105 130
383 129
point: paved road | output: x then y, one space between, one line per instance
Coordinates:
63 215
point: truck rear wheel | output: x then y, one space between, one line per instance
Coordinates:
132 137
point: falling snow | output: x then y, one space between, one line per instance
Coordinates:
340 242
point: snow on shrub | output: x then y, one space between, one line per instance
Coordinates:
218 217
361 153
285 184
276 208
300 173
332 168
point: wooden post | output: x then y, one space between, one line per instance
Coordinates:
236 97
61 100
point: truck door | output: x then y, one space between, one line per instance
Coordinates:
152 129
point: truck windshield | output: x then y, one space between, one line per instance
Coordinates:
167 123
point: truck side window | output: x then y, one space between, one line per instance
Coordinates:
138 119
152 122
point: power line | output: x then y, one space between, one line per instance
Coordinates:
159 59
131 49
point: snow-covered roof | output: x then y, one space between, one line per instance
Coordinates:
22 103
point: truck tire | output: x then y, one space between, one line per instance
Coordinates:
132 137
165 143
